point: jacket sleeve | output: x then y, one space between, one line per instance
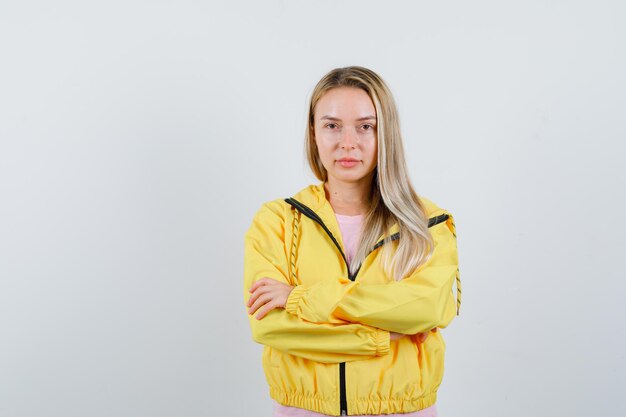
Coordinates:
265 256
418 303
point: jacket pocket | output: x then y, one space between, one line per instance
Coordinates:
272 370
431 355
270 357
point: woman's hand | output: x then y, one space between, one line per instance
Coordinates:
418 337
267 294
395 336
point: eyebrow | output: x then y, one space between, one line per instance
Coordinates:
327 117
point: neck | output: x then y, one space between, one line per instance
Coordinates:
348 198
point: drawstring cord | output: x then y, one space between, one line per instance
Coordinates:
458 275
294 238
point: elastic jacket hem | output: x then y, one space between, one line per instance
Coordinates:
357 407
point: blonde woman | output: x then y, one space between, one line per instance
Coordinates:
347 282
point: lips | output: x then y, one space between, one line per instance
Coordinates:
347 162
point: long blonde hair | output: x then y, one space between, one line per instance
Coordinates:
392 197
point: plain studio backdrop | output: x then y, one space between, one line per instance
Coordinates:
138 139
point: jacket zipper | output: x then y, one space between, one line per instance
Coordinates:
343 403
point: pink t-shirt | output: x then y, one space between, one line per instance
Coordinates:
350 227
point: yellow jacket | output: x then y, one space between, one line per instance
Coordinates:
329 349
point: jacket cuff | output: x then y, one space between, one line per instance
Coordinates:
383 338
294 299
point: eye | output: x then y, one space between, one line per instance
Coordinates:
367 127
331 125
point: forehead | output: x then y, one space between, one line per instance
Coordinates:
345 103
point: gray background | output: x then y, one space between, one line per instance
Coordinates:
139 138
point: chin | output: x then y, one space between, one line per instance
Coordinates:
350 177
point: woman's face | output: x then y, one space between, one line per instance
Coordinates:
345 134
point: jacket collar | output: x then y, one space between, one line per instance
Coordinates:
314 196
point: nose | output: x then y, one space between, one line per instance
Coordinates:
348 140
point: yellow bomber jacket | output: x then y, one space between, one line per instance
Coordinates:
329 349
